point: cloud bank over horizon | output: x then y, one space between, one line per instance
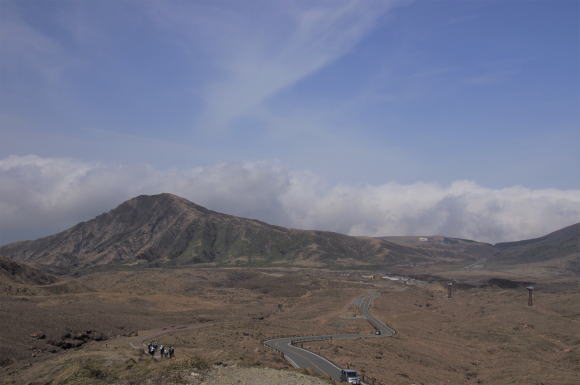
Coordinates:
42 195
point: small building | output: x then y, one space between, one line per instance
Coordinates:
368 276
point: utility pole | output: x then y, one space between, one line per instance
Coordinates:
530 295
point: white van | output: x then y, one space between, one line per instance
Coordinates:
350 376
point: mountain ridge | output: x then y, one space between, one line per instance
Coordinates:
165 229
557 244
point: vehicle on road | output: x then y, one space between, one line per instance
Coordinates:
350 376
378 332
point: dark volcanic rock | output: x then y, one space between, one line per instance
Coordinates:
71 340
38 335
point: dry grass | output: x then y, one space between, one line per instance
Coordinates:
483 335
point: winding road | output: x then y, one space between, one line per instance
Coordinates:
302 358
297 356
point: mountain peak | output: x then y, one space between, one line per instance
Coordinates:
138 230
166 197
165 229
166 200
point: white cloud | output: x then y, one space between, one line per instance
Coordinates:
39 196
262 48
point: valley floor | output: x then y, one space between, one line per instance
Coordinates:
89 330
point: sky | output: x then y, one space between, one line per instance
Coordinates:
366 117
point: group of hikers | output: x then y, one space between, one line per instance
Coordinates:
164 351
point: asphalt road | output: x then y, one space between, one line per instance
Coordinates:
302 358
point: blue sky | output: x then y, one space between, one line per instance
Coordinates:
357 94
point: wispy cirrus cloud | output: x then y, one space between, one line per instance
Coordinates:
26 50
261 49
40 195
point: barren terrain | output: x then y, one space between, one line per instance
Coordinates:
219 318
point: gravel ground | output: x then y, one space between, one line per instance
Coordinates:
259 376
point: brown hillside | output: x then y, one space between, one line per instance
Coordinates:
560 243
446 247
168 230
559 250
14 272
556 253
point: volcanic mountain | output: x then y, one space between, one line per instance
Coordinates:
166 230
560 243
446 247
559 250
